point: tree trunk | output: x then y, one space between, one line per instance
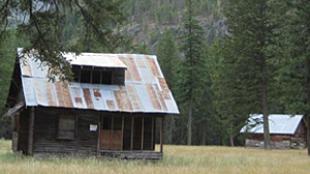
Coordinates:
204 135
308 134
189 123
231 140
307 115
264 103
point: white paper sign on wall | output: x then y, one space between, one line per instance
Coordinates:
93 127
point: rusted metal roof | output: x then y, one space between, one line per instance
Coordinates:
145 88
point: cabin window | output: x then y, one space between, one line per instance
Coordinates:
66 128
85 76
95 75
106 77
76 73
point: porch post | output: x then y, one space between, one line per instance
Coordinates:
122 132
152 136
131 137
161 134
98 135
15 132
142 134
30 132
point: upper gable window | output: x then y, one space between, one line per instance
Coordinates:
96 75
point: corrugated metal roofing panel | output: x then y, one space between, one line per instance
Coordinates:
29 92
278 124
145 88
93 59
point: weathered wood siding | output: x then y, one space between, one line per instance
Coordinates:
23 131
46 139
46 127
280 141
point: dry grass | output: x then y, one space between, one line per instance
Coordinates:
178 159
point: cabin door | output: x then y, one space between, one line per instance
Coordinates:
111 134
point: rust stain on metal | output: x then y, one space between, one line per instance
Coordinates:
153 97
122 99
50 98
164 87
134 98
161 98
88 99
132 71
97 94
59 94
63 94
78 100
110 104
67 96
153 66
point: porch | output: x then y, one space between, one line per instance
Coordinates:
137 155
130 137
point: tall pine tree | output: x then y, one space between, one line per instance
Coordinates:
293 52
169 61
191 75
250 36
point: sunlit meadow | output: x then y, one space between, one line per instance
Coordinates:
177 159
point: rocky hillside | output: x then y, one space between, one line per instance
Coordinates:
148 19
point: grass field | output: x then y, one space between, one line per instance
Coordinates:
177 159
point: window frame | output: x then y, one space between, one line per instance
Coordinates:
61 130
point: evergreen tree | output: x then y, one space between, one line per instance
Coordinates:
167 54
230 89
293 51
251 32
191 76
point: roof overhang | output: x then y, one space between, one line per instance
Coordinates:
95 60
12 111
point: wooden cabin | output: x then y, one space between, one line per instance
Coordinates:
286 131
113 107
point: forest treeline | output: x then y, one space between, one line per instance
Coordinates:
222 60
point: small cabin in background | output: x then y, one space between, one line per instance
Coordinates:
286 131
113 107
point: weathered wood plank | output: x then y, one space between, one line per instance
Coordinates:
161 134
132 132
31 127
98 135
142 134
145 155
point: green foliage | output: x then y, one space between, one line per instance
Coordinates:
191 80
167 54
168 57
7 60
94 28
293 66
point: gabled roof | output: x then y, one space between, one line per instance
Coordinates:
145 88
278 124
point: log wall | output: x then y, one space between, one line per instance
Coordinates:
280 141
